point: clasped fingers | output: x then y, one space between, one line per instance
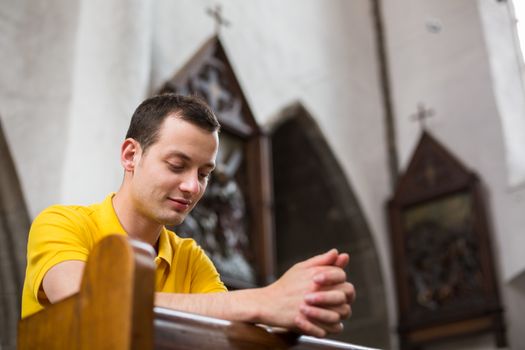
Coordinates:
316 329
344 311
326 315
349 290
325 298
330 275
321 321
327 303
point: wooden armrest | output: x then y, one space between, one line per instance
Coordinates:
182 330
113 310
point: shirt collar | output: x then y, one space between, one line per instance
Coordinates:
111 224
108 218
165 247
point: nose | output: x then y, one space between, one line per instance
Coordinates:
190 183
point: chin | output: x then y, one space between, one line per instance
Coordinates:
173 221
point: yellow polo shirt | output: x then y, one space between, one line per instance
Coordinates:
63 233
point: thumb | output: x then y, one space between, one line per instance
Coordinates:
328 258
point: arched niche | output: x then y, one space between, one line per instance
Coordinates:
315 209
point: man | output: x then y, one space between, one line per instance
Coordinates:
168 155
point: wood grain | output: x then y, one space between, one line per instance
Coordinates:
113 310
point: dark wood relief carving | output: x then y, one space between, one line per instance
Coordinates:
441 246
233 221
209 75
442 254
220 223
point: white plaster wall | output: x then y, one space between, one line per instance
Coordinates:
36 48
450 71
72 74
110 78
507 74
506 63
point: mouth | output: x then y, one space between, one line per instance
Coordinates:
180 204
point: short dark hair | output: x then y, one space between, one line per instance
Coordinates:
149 115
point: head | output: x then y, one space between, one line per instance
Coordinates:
150 114
168 155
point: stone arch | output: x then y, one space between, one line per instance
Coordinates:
14 226
315 207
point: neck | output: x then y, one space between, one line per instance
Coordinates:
134 223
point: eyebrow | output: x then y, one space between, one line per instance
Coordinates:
187 158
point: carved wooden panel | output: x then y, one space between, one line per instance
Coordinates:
233 221
441 247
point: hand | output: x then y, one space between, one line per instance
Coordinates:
312 296
335 280
330 302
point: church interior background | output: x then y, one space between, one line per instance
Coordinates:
326 102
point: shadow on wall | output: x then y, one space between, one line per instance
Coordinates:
14 227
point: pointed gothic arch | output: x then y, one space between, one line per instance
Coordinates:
316 208
14 226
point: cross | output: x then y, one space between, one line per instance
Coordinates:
216 14
211 85
422 114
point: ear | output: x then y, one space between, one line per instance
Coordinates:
129 154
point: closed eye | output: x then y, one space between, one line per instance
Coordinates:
205 175
176 168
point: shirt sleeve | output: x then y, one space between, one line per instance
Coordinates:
205 278
56 235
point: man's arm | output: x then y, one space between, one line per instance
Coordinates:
63 280
312 296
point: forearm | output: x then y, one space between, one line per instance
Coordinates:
241 305
311 297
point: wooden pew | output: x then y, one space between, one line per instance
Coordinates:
114 310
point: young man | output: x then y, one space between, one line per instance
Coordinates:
168 155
